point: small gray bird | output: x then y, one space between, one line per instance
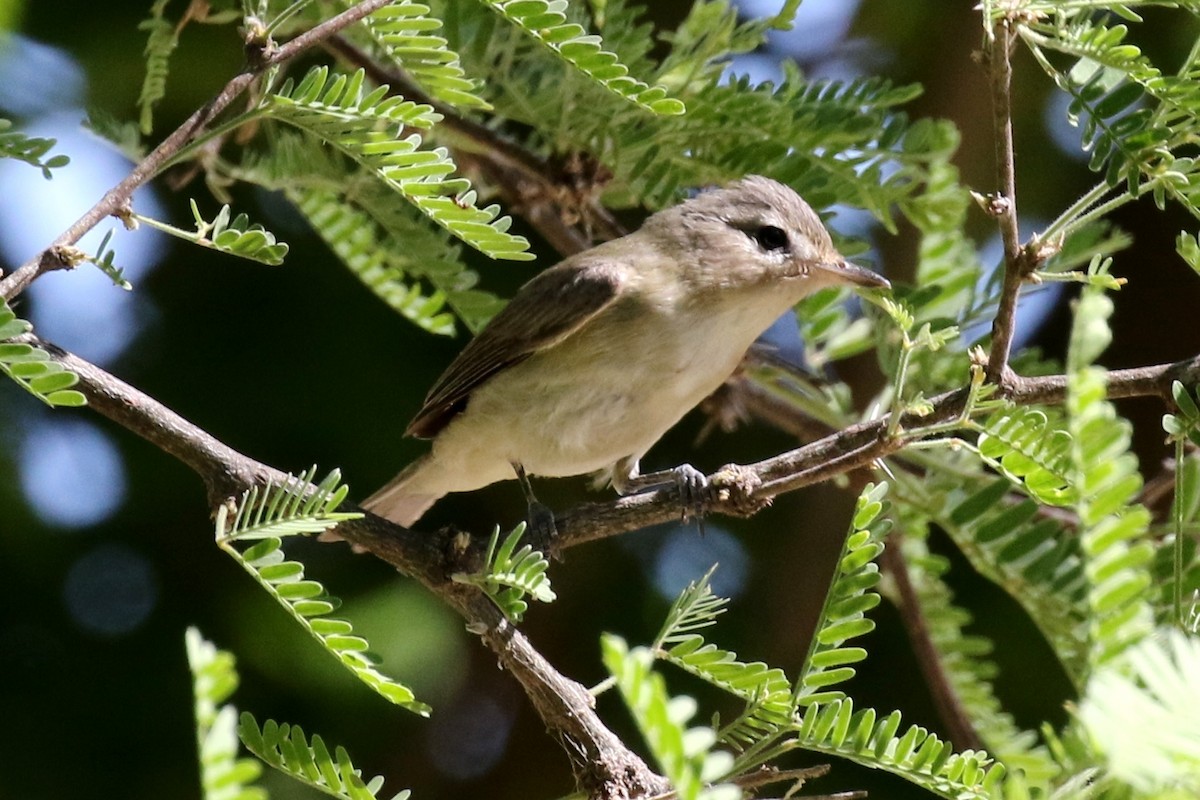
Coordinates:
596 358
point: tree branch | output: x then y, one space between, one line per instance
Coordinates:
261 57
959 727
1004 204
602 764
742 490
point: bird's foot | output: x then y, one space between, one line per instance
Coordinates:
693 491
690 482
540 530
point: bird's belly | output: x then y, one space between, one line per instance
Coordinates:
590 401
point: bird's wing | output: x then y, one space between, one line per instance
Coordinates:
546 310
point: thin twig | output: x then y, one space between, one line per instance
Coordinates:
1004 205
949 705
737 490
261 59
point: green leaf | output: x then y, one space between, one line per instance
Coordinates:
382 138
849 598
306 600
409 36
682 753
222 773
1143 715
510 575
546 22
289 509
1113 525
161 41
286 748
32 368
29 149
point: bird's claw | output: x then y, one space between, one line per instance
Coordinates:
693 490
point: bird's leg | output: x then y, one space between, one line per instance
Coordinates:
691 483
540 518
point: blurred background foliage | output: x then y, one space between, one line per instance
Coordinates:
105 548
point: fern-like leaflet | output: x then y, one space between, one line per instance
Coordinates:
964 658
369 128
546 22
236 236
408 34
766 691
1142 716
309 604
30 149
509 575
161 40
286 748
223 776
1021 444
1113 525
917 755
684 754
289 509
1030 556
32 367
286 509
850 596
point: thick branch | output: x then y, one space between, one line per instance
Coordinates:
739 490
120 195
1004 203
602 763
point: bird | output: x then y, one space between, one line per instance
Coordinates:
594 359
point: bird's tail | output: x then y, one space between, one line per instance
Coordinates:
404 499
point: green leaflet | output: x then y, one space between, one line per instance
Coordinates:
546 22
850 596
510 575
214 678
766 691
236 236
409 36
309 604
1113 525
295 508
30 149
376 131
286 748
161 41
684 754
32 368
916 755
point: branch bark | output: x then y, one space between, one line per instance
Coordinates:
602 764
742 490
1004 204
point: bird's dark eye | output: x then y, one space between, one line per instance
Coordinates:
770 238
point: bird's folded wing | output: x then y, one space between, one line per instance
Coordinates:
546 310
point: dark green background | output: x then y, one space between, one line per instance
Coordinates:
300 364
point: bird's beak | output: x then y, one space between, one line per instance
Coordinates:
853 274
